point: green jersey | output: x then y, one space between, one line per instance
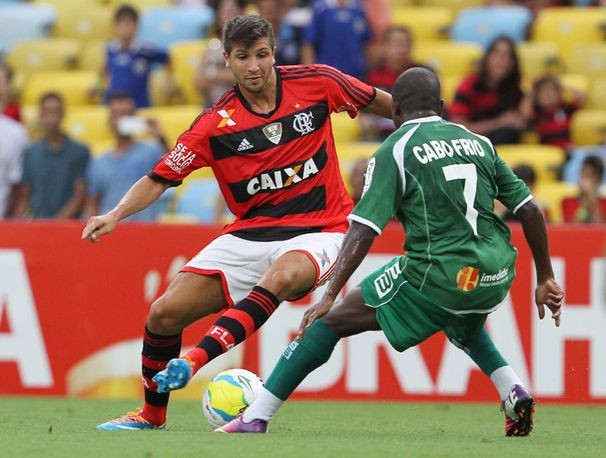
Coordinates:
440 181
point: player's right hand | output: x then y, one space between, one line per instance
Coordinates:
97 226
313 313
549 293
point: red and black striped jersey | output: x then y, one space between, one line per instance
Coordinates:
278 172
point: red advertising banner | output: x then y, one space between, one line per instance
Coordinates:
72 316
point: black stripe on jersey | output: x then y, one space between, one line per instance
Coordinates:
281 131
274 233
159 179
279 178
359 95
313 201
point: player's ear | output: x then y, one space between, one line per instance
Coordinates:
441 108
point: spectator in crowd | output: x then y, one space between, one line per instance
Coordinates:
338 35
589 206
291 32
113 173
396 50
527 174
8 104
213 78
549 113
571 173
128 64
54 168
13 140
487 102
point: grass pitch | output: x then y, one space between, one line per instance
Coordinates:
58 427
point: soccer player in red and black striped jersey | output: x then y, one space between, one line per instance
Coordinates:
269 143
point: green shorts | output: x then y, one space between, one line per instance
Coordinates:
407 316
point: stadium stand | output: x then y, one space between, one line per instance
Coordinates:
454 5
92 55
174 120
425 22
596 97
44 54
185 58
551 194
538 59
24 22
85 23
546 160
164 26
448 58
588 127
73 85
588 60
88 124
483 24
344 128
198 198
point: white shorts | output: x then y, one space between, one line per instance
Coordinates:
241 263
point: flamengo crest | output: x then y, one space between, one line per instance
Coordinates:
303 123
273 132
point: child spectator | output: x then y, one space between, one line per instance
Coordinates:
550 115
589 206
487 102
527 174
54 168
128 63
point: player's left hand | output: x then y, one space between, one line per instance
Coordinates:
549 293
313 313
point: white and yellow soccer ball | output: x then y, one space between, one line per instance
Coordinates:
228 394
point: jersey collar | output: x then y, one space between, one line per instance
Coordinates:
424 119
278 97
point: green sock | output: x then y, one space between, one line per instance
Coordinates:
300 358
482 351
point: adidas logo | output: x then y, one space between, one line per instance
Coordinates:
244 145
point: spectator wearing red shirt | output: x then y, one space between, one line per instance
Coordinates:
550 115
487 102
395 52
589 206
8 105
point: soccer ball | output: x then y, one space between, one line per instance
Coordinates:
229 394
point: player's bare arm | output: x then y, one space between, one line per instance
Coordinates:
141 195
548 292
381 104
356 244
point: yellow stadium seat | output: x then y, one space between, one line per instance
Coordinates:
92 56
588 60
448 58
73 85
85 24
425 23
185 59
344 128
173 120
89 124
569 26
454 5
538 58
546 160
140 5
350 152
43 55
63 5
588 127
158 94
551 195
100 147
30 115
596 97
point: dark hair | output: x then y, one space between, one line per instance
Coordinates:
120 94
51 95
539 83
526 173
596 163
126 12
396 28
509 88
247 30
417 90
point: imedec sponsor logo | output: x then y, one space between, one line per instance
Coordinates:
467 278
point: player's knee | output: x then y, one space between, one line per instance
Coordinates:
162 318
283 283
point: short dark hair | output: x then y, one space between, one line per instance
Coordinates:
396 28
509 89
417 89
596 163
51 95
247 30
126 12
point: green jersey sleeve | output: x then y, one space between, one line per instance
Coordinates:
384 184
511 191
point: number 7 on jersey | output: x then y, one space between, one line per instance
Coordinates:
467 173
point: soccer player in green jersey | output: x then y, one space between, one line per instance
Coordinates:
440 181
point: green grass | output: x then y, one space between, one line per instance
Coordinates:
57 427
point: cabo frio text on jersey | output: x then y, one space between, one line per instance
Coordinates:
439 149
